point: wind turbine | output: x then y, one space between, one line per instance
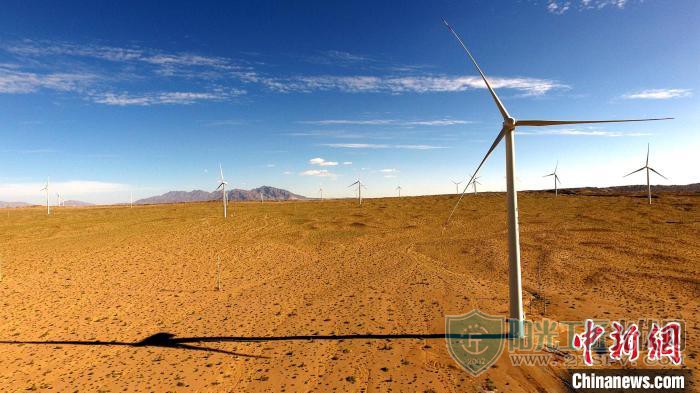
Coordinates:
131 199
399 188
320 191
457 185
46 188
556 179
222 186
360 186
648 168
508 133
58 199
474 183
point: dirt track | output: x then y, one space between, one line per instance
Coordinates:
88 285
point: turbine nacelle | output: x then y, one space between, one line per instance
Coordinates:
509 123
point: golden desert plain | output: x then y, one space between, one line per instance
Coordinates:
324 296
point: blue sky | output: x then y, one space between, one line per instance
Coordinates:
109 99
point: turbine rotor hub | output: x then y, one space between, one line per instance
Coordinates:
509 123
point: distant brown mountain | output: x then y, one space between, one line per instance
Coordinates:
268 193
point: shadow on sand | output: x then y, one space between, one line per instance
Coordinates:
169 340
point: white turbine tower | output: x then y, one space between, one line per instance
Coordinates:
475 182
222 186
457 183
399 189
131 199
46 189
556 179
360 186
508 133
648 168
320 192
58 199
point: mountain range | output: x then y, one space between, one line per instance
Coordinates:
268 193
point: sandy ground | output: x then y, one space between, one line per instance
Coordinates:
84 289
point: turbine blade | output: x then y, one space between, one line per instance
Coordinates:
539 123
631 173
654 170
551 174
647 154
488 153
353 184
221 171
556 167
498 102
219 187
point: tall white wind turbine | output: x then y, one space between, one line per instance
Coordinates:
457 183
556 179
648 168
46 189
320 192
222 186
360 186
399 189
508 133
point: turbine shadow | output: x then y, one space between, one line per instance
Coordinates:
169 340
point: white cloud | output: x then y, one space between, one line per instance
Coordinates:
408 84
658 94
286 173
388 170
347 162
382 146
387 122
182 98
16 82
321 162
318 172
270 165
561 6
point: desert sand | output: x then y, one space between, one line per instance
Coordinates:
120 299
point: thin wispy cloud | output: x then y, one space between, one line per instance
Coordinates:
560 7
408 84
658 94
388 170
17 82
381 146
172 98
321 162
386 122
318 173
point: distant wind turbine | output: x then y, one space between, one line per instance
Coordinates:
320 191
648 168
58 199
131 199
475 182
556 179
399 189
457 185
222 186
508 133
46 189
360 186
